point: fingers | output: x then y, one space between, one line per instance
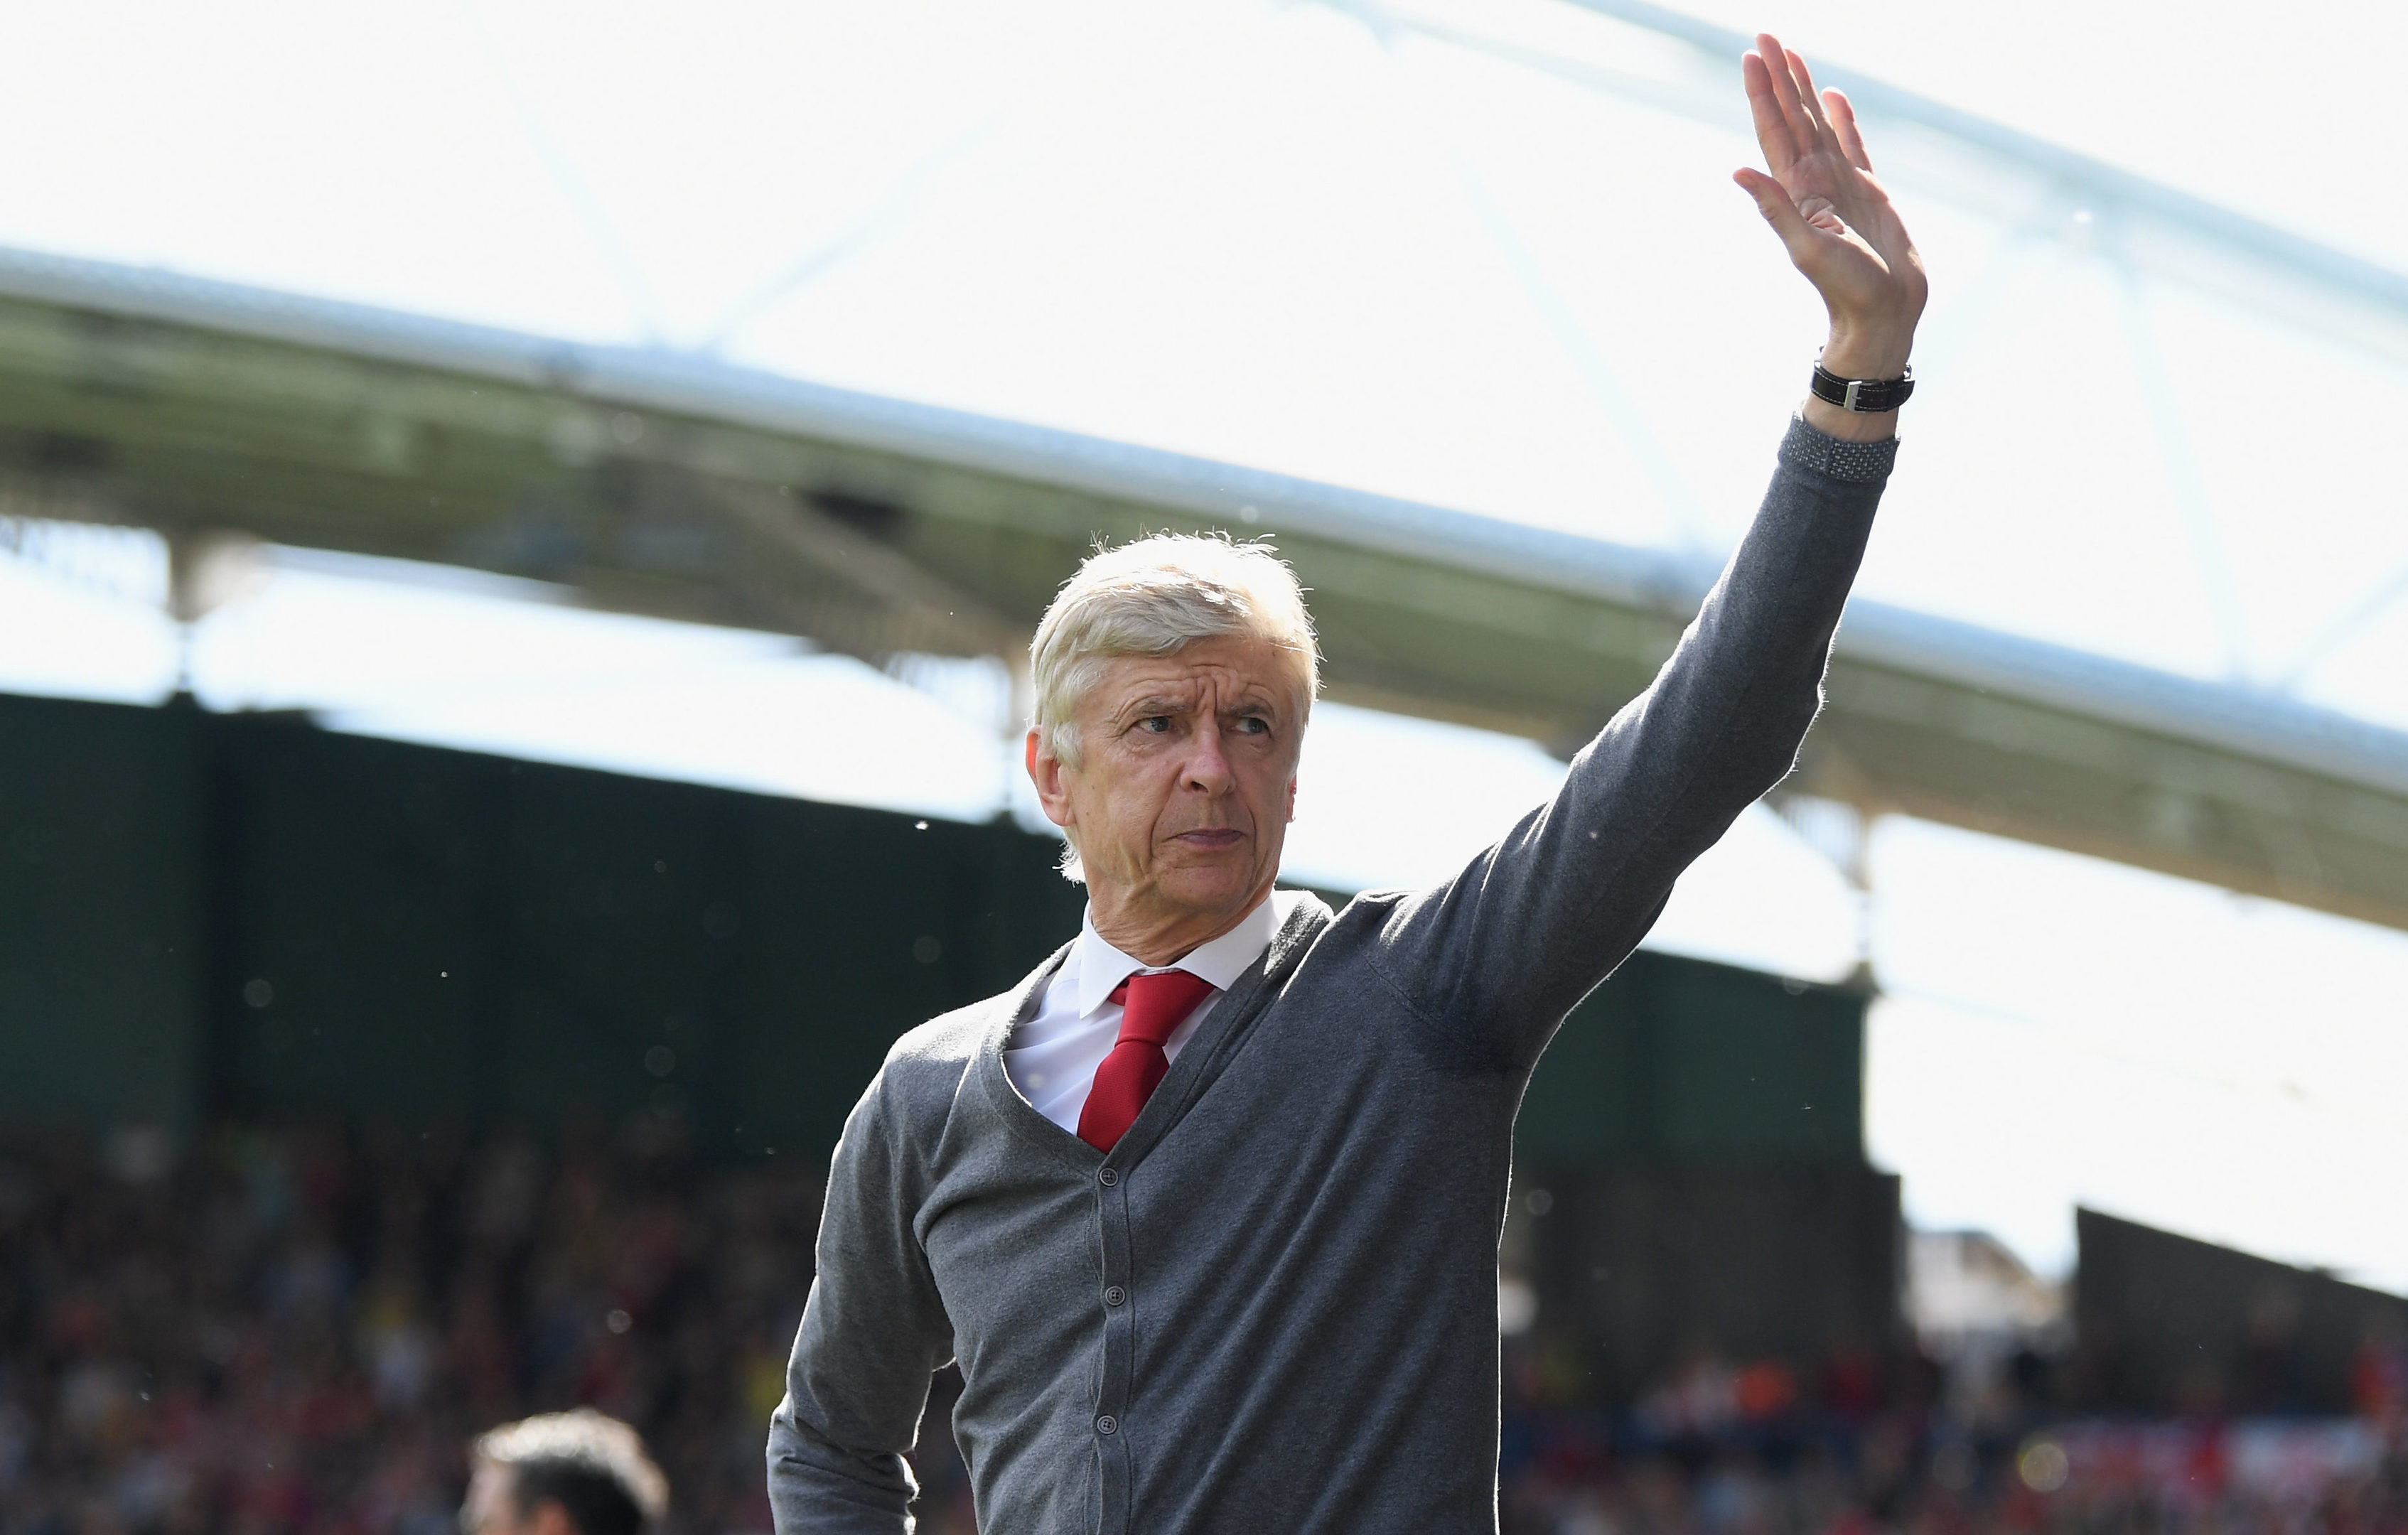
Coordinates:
1803 130
1808 96
1842 117
1773 201
1812 99
1773 133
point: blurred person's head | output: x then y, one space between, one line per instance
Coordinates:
1173 680
564 1473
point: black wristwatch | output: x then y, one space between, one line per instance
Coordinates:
1867 396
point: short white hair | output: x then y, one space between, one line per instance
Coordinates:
1150 597
552 1453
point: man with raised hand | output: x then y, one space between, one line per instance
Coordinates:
1207 1207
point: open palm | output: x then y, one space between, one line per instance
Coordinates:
1835 219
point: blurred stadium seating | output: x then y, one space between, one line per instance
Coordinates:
299 1329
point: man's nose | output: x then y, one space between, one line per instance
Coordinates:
1207 767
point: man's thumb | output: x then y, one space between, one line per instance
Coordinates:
1773 201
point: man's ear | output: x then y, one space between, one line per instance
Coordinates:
1290 801
1045 772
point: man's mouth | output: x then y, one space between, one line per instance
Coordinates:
1211 839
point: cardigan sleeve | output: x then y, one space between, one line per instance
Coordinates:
873 1331
1493 958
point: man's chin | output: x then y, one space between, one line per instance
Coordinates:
1210 887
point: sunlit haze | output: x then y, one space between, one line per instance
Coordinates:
1418 249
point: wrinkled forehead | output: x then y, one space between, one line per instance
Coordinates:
1217 672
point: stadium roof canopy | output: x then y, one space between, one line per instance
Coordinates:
2164 644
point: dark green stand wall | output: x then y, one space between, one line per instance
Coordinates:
446 933
245 915
102 848
2167 1324
1678 1060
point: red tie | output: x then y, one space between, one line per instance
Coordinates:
1151 1006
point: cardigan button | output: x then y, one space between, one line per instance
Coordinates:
1108 1425
1114 1295
1109 1177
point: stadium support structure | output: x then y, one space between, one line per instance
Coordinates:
666 484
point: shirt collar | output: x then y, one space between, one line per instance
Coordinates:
1103 967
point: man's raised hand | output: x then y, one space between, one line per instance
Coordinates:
1833 217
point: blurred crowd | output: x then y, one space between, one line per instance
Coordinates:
1906 1443
301 1329
2334 1479
274 1331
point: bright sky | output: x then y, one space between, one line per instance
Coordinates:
1284 235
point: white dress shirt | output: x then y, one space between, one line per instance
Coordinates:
1052 1058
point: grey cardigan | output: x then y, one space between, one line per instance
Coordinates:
1272 1308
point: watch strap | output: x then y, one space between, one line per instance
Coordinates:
1867 397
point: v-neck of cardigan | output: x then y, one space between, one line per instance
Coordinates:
1199 1060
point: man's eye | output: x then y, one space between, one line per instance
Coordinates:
1157 724
1255 726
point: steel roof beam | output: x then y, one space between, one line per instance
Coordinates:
660 483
